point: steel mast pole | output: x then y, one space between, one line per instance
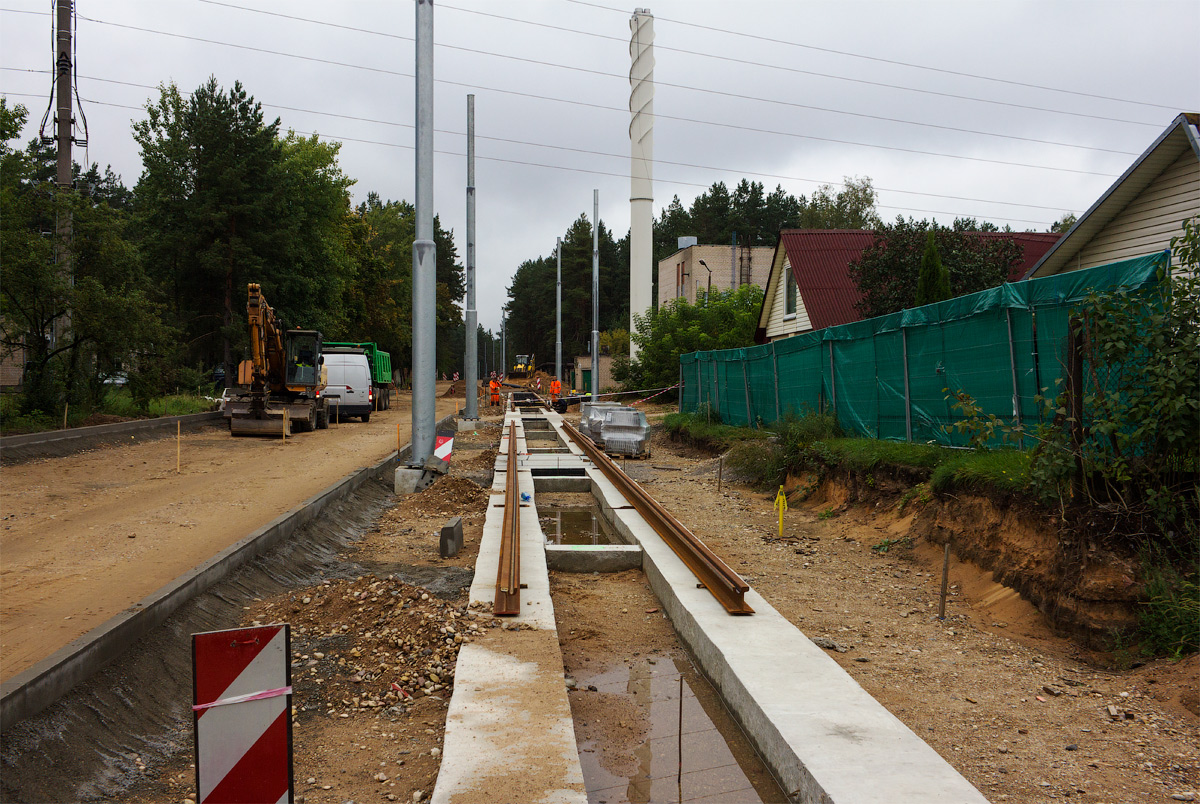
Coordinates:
470 368
424 314
64 137
558 315
595 295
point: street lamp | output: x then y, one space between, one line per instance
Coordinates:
709 292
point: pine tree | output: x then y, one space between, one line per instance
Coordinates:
933 283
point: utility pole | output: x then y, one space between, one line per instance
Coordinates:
64 73
558 315
470 369
424 308
595 295
503 344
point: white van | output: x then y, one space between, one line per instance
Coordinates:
348 387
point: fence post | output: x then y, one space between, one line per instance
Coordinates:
1075 390
746 383
832 380
907 396
716 387
1016 394
681 387
775 374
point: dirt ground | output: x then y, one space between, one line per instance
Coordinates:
85 536
1017 710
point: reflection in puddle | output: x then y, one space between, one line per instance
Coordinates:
666 737
574 526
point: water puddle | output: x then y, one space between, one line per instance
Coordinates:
575 525
656 731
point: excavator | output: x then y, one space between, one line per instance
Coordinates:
522 368
286 376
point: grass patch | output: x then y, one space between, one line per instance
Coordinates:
864 454
1001 470
121 403
1169 618
700 430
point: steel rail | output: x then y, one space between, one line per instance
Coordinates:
714 574
508 571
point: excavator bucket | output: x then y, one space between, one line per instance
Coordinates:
268 423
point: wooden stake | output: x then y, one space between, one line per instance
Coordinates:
945 578
720 472
177 446
679 740
66 407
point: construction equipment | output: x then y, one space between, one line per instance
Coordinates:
522 368
381 368
285 373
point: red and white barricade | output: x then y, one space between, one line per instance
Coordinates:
242 705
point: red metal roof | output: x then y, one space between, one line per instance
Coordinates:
820 260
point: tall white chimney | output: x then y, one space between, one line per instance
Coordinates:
641 166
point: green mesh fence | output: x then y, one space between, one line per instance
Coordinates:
887 377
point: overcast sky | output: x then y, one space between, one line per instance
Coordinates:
1014 112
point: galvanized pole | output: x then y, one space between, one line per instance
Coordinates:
907 397
64 136
832 380
1016 394
471 370
558 315
746 383
424 314
595 295
503 344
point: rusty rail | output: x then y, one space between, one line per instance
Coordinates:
714 574
508 572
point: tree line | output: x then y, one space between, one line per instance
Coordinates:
152 284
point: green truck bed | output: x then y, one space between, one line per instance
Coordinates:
381 361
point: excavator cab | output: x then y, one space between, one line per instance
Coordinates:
304 361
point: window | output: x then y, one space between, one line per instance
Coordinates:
792 293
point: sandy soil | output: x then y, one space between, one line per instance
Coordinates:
86 536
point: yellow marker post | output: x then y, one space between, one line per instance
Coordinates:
781 506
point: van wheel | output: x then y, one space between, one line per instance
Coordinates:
366 417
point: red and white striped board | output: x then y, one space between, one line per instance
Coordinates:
443 445
539 383
242 705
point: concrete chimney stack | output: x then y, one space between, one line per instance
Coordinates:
641 166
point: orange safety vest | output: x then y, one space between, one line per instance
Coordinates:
555 387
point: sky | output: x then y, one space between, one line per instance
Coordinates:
1012 112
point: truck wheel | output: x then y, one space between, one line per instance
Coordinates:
323 420
366 417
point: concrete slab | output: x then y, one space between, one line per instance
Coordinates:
593 557
821 734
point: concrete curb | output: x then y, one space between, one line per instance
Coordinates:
57 443
36 688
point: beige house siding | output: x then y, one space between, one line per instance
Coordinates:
584 363
779 324
681 275
1149 222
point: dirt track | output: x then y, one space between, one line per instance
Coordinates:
86 536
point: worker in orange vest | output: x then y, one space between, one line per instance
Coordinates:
555 389
495 387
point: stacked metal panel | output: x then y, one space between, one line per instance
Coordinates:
625 431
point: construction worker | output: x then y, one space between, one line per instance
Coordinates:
555 389
495 388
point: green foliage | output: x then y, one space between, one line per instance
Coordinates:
864 454
933 283
724 320
1169 618
614 342
828 513
122 403
699 430
887 544
886 273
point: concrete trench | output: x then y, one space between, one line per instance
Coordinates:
823 738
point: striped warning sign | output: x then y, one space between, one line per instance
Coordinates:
242 696
443 444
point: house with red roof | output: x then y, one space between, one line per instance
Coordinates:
810 286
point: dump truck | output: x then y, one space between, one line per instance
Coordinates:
522 368
381 368
285 375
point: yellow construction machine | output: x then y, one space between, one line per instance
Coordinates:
522 368
285 373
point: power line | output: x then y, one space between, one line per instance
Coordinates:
589 152
622 77
473 85
882 60
732 59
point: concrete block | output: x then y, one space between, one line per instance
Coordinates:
593 557
451 540
463 424
436 464
410 480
